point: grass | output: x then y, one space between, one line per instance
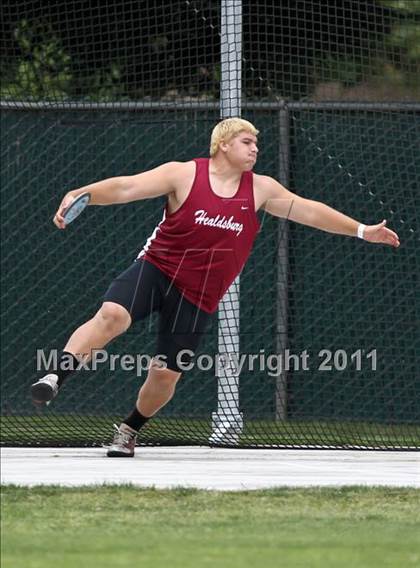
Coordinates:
123 526
49 429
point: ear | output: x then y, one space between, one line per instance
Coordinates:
223 146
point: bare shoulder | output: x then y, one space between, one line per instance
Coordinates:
172 175
174 169
182 175
266 187
267 184
181 169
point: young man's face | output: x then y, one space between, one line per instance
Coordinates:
241 151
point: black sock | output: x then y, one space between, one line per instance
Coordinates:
67 365
136 420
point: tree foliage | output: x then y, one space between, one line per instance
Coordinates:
139 50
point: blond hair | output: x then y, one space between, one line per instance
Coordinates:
228 129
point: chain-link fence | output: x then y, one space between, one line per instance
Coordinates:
327 326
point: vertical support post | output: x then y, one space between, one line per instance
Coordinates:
231 58
282 268
227 421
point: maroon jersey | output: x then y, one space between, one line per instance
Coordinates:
204 245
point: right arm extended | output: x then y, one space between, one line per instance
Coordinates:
123 189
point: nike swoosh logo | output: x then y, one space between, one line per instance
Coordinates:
243 208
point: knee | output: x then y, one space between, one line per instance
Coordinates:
113 318
163 375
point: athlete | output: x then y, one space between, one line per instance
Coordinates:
190 260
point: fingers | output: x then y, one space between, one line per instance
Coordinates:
392 234
58 222
381 234
380 225
392 238
58 218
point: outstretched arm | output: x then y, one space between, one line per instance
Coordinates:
124 189
280 202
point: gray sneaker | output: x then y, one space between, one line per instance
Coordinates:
123 443
44 390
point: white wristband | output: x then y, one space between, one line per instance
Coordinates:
361 230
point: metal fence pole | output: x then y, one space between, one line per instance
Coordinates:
227 421
282 268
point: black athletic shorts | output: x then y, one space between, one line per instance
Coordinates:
143 289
